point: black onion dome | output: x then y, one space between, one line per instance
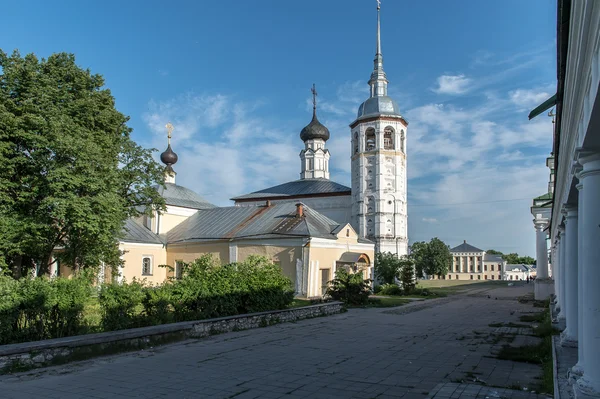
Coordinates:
168 157
314 130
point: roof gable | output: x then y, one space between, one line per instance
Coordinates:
464 247
184 197
135 232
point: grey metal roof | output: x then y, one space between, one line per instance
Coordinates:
376 106
521 267
180 196
135 232
464 247
492 258
277 220
297 188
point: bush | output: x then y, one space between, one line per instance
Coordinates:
390 289
349 288
120 305
37 309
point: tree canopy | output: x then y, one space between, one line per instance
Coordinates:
71 174
431 258
513 258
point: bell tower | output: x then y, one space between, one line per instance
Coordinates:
378 166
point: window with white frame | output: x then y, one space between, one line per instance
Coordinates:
146 266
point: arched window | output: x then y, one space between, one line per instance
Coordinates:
370 139
388 138
402 140
355 142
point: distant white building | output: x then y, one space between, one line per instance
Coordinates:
514 272
472 263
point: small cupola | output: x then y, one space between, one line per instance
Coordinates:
169 157
315 129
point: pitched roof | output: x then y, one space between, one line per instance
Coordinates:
275 221
520 267
464 247
297 188
493 258
184 197
135 232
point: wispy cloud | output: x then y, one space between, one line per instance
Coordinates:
452 84
528 98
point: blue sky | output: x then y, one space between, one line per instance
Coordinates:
234 78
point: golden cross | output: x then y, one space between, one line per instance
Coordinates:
169 127
378 4
314 93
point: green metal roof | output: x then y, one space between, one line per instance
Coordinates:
546 105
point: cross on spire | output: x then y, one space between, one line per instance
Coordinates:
314 93
170 128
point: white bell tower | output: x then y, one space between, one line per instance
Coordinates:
379 195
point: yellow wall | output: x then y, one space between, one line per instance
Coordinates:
168 221
190 252
284 256
133 262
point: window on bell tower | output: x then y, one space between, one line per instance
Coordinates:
370 139
355 142
402 140
388 138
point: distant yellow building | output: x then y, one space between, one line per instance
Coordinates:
472 263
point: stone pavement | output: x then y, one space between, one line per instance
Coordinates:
403 352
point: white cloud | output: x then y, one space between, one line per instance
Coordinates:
452 84
529 98
430 220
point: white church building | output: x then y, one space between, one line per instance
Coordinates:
376 204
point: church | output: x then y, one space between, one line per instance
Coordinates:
310 227
376 204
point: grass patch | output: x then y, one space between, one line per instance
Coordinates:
298 303
533 318
383 302
536 354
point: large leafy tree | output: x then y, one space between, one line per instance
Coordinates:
513 258
71 174
431 258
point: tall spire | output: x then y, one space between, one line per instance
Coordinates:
314 94
378 81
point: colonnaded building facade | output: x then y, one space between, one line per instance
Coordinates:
376 204
567 217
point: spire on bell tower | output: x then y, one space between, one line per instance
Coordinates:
378 81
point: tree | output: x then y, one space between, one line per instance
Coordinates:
407 274
71 174
387 267
432 258
494 252
526 260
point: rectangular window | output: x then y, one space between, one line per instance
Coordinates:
492 276
457 276
178 269
492 267
478 277
146 266
485 277
485 268
471 277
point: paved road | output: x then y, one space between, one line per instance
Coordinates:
403 352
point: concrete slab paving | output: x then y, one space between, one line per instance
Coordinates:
440 347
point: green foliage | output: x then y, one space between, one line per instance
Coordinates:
432 258
407 274
41 308
513 258
389 289
349 288
387 267
71 175
120 305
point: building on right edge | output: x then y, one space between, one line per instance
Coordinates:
568 223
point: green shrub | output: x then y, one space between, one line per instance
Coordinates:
349 288
120 305
157 304
40 308
390 289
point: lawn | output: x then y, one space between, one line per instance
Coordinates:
450 287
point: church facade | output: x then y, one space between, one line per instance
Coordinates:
376 204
